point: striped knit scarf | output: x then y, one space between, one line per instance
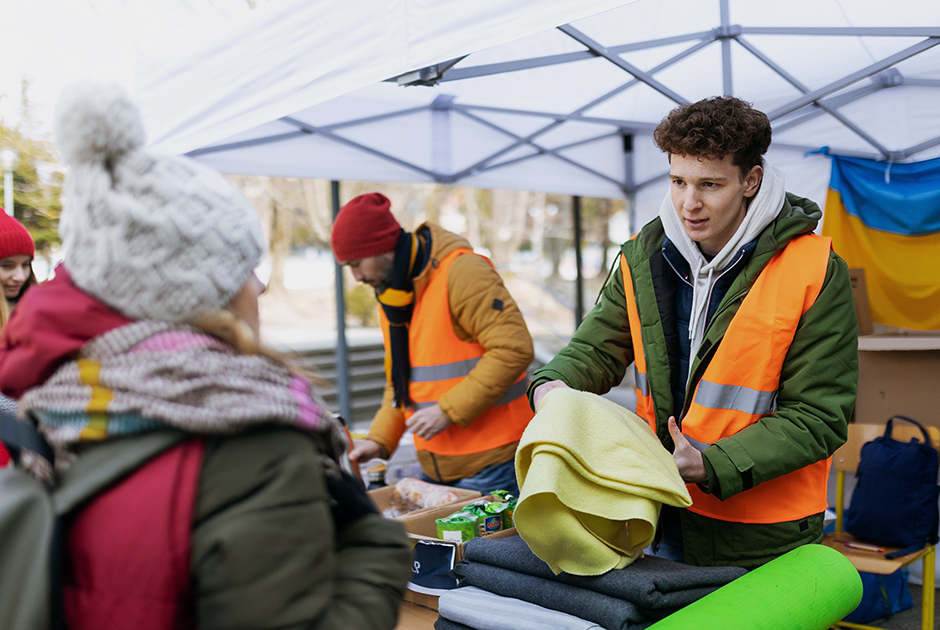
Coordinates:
411 256
152 375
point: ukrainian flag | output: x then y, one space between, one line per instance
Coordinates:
885 218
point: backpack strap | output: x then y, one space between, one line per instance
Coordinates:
890 425
903 552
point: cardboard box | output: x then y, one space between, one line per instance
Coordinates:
422 530
382 497
862 305
898 374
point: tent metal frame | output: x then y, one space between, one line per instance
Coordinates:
811 104
822 101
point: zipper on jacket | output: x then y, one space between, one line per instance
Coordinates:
436 469
673 267
690 390
712 288
705 359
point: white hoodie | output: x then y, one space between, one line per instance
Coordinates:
763 209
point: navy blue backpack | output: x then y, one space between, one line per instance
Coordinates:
895 498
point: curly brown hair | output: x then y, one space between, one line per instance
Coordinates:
714 128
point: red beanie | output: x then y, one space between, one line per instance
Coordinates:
364 228
14 239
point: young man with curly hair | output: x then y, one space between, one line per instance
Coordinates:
741 327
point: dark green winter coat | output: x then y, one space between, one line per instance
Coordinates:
818 383
260 492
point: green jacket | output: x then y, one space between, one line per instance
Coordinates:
818 384
264 553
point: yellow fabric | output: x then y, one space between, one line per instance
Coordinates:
89 372
900 271
593 477
396 297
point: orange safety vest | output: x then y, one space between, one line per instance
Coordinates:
739 386
440 360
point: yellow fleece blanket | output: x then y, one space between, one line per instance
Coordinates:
593 477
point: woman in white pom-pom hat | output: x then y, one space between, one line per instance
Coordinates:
225 504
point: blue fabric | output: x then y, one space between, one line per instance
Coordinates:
671 546
495 477
882 595
897 198
895 499
683 306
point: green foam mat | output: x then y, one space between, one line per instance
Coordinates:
809 588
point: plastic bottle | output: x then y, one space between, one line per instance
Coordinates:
375 476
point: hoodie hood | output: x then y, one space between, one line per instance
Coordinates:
761 212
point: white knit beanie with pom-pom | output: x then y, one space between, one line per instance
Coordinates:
152 236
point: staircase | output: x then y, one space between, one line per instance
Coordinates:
366 374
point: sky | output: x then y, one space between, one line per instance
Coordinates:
54 43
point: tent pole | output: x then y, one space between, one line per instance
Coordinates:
579 278
342 349
629 177
725 11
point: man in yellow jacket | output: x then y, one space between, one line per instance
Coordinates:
456 348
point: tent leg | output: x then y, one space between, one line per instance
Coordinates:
579 277
342 349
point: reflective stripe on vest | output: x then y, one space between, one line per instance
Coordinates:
644 401
440 360
740 385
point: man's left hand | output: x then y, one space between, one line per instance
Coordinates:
428 422
688 458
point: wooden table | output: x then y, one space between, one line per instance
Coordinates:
414 617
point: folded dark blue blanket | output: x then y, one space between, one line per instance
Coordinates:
649 582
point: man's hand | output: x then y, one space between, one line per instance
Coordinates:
428 422
543 389
688 458
364 450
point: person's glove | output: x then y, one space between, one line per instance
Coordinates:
349 499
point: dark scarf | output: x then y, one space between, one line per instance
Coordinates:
411 255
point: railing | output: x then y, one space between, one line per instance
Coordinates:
366 376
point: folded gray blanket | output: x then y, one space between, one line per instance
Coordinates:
476 608
649 582
607 611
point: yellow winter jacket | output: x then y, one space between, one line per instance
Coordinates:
472 285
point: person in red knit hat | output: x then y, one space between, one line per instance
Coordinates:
457 348
16 275
16 257
364 237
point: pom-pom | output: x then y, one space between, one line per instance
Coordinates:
97 122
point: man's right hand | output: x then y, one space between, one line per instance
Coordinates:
543 389
364 450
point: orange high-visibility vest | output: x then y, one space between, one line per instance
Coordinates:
740 383
440 360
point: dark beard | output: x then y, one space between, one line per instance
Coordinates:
386 279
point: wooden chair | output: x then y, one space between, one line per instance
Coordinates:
846 460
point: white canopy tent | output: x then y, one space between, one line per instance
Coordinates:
544 95
550 95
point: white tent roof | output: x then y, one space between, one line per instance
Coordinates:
547 95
